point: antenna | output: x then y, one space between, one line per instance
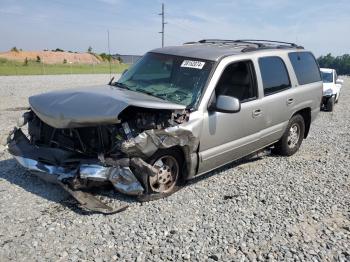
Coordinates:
109 57
163 23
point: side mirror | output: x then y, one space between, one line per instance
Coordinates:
339 81
226 104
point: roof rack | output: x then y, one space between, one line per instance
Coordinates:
268 41
251 44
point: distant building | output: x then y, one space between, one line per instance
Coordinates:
127 59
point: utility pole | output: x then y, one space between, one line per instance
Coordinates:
163 23
109 57
42 61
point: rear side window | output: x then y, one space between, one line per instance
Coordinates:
274 74
305 67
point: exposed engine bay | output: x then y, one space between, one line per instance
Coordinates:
101 140
82 157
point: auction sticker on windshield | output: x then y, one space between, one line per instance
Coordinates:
193 64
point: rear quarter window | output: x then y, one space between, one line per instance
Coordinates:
305 67
274 74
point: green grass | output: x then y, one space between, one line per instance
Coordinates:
33 68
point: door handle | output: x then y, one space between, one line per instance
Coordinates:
257 112
290 101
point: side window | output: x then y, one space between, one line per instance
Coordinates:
238 80
305 67
274 74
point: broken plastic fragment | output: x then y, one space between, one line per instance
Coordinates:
90 202
149 141
121 177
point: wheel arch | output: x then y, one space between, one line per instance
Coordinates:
306 114
191 161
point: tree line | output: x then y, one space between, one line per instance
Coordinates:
340 63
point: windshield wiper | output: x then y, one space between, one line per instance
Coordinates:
121 85
149 93
144 91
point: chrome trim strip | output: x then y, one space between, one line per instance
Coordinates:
122 178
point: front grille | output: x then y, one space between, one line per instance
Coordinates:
90 141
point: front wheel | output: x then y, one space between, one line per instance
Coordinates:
330 104
292 137
169 163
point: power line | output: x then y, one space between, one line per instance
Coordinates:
163 23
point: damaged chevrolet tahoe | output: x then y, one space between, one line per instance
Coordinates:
178 113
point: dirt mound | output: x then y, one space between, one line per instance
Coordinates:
50 57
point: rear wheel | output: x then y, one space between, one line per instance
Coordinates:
169 163
330 104
292 137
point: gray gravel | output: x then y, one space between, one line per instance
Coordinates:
267 208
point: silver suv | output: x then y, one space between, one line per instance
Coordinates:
178 113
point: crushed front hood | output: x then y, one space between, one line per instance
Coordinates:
83 107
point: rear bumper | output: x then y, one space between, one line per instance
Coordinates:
57 165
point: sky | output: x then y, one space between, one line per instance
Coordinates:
320 26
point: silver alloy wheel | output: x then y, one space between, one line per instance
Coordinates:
293 136
167 176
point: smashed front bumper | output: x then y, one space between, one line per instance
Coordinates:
58 166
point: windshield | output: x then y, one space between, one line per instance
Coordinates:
327 77
176 79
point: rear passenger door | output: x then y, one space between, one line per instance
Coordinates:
278 97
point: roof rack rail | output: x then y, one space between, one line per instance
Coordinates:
267 41
226 41
252 44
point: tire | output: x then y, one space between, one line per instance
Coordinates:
330 104
170 163
292 138
337 100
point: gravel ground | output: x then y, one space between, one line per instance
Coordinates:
265 208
